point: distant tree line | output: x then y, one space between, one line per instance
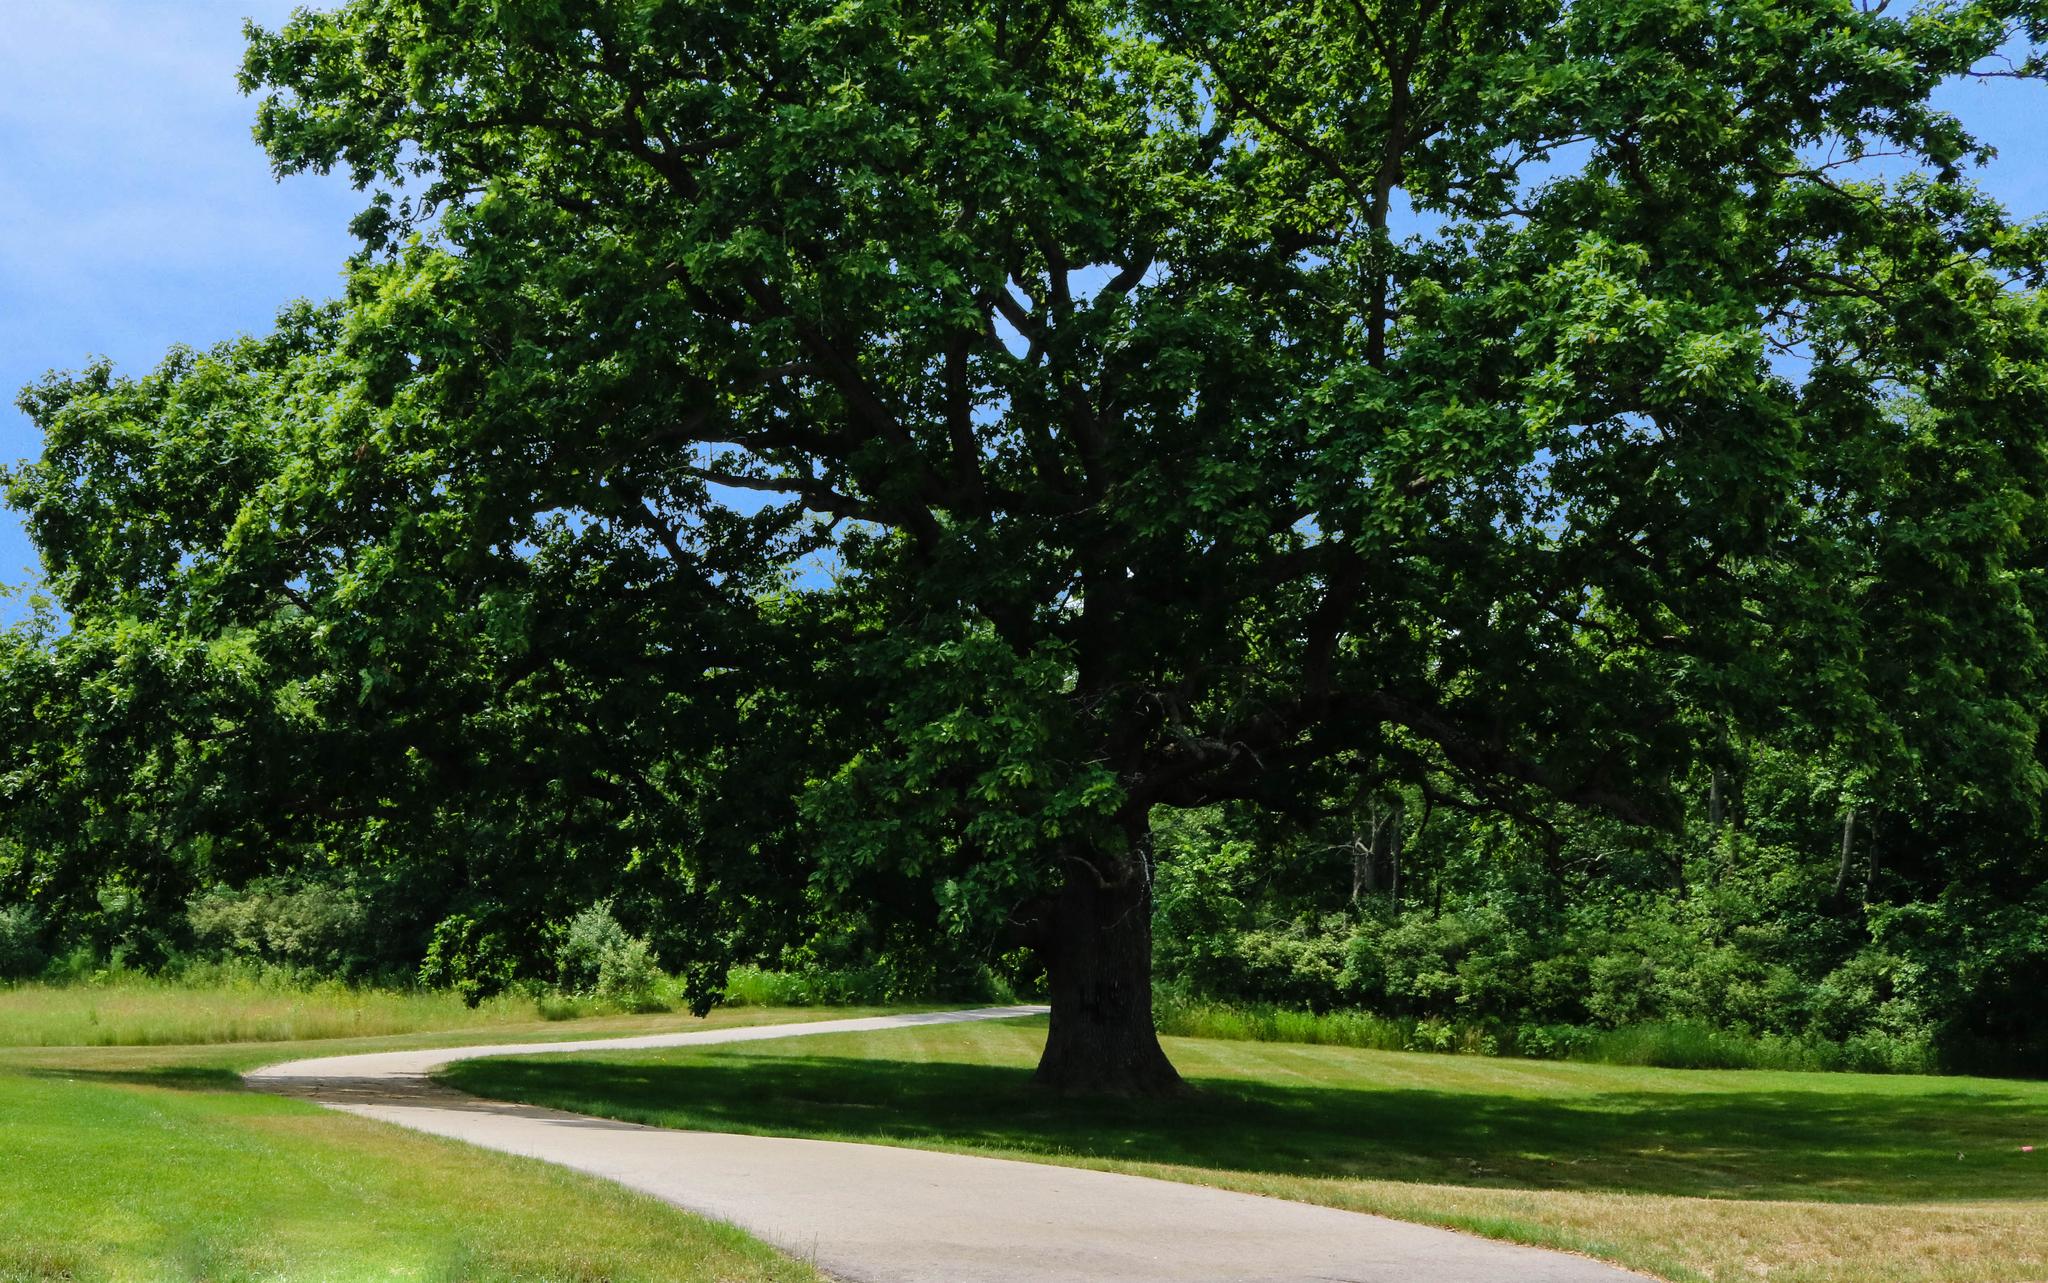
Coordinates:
1789 906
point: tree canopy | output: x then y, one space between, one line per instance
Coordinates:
894 449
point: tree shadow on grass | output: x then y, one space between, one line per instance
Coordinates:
1826 1144
173 1077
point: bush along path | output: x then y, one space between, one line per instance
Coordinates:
880 1214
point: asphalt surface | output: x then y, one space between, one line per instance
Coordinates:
883 1214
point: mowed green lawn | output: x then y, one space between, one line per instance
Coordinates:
152 1164
1689 1175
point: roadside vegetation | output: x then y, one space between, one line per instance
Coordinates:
125 1008
1696 1177
205 1005
268 967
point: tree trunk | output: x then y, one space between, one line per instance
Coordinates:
1366 865
1376 854
1840 897
1394 858
1098 960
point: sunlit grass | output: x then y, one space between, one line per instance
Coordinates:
1692 1175
135 1164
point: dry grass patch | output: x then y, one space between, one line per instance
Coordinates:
1704 1240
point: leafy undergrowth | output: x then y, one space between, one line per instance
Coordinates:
1814 1178
139 1164
1665 1045
751 986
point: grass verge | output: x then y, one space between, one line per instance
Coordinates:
1697 1176
146 1163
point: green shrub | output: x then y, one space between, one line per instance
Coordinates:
1719 944
1548 1042
600 959
751 986
1887 1053
470 957
1851 997
874 984
1180 1016
21 947
1458 965
1300 964
1432 1035
313 926
1673 1046
1620 988
1557 989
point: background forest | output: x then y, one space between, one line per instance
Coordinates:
1774 930
1791 924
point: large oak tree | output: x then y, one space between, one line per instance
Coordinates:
1152 405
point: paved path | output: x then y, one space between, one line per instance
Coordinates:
881 1214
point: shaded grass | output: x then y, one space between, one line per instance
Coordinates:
146 1163
1695 1175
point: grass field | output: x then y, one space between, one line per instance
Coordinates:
1689 1175
231 1004
150 1163
132 1010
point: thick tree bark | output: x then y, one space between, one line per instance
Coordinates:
1098 958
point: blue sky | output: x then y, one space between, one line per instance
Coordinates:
136 212
135 209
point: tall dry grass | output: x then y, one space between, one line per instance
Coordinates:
128 1009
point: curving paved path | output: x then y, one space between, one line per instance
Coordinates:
881 1214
